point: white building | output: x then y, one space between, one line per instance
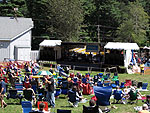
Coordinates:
15 38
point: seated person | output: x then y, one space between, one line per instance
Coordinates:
147 101
92 104
133 94
144 109
41 108
74 97
26 83
33 93
118 94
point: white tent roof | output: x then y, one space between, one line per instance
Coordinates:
119 45
50 43
146 47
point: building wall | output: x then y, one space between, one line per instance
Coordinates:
22 41
34 55
58 50
4 50
23 54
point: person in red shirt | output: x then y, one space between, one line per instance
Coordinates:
26 83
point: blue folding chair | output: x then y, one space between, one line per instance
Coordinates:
144 86
64 87
58 92
103 95
114 85
26 106
19 87
100 75
117 95
122 85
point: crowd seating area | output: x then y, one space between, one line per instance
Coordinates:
18 75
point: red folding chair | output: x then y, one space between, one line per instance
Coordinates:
46 105
128 83
86 89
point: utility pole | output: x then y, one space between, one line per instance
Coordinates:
98 33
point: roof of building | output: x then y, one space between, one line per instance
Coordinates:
120 45
50 43
11 28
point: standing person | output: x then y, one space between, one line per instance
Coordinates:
50 90
142 68
2 92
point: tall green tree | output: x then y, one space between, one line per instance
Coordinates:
134 25
66 17
13 8
106 13
56 18
37 10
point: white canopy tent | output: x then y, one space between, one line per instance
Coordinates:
119 45
52 44
146 47
123 46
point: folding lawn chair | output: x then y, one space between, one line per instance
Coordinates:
144 87
63 111
19 87
13 94
103 95
27 94
114 85
122 85
41 94
64 87
139 85
26 106
128 83
117 95
90 109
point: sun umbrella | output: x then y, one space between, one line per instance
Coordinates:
44 73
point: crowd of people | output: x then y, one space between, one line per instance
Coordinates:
77 84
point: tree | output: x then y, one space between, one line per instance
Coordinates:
66 18
56 18
134 25
13 8
106 13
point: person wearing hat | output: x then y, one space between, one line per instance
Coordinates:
2 92
144 109
50 90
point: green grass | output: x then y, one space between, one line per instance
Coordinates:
62 102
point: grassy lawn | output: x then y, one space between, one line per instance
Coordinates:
62 102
